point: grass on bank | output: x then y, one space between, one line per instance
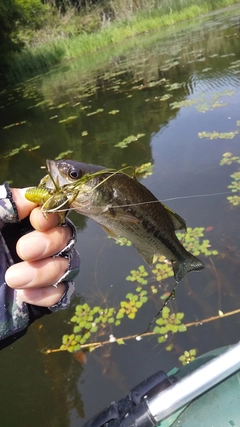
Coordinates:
41 57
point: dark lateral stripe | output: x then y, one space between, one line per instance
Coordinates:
150 228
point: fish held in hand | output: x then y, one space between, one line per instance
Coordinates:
123 207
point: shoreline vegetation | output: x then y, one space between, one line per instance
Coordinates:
49 34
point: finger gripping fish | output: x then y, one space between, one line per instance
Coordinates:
123 207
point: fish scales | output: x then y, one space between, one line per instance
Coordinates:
153 219
123 207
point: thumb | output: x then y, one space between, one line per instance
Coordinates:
24 207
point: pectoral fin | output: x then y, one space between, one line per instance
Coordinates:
118 215
110 232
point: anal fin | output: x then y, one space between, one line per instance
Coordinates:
147 256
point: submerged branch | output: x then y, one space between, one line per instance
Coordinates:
93 345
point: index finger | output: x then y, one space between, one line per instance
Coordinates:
24 207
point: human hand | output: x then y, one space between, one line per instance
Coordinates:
33 278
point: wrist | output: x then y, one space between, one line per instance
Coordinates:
8 208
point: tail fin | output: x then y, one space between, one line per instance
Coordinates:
181 268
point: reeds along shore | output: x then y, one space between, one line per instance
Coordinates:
73 34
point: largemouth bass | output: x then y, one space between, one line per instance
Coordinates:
123 207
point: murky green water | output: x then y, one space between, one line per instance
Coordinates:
173 87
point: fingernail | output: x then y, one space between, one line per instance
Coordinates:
32 246
20 275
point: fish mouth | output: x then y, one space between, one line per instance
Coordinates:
56 178
51 167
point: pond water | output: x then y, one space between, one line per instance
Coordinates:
170 99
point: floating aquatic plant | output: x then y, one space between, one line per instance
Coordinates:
69 120
23 147
144 170
138 275
202 107
67 340
64 104
162 271
218 135
218 104
188 356
59 107
122 241
235 185
88 322
229 158
63 155
203 102
184 103
71 343
194 243
165 97
132 305
150 84
100 110
128 140
168 322
113 112
15 124
76 104
234 200
174 86
46 102
234 64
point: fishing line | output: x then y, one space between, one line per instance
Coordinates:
173 198
111 173
128 205
170 296
197 195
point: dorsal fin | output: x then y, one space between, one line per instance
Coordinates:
178 222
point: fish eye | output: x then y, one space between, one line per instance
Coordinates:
74 174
